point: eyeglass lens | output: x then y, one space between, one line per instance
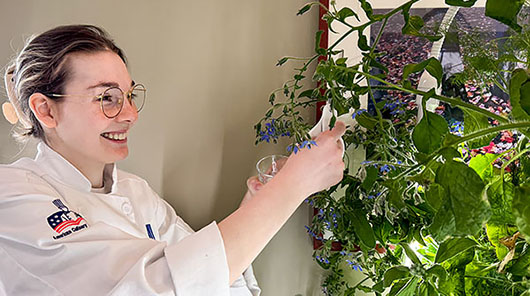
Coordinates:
113 98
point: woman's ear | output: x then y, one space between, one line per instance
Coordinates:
44 109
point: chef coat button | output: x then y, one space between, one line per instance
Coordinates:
126 208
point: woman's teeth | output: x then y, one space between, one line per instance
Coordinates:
115 136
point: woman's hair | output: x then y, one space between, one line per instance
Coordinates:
41 68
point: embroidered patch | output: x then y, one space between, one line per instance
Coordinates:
65 222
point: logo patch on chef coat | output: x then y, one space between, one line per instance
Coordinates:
65 222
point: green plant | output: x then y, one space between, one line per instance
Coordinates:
423 215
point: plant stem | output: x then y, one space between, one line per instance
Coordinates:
435 154
360 27
485 278
360 283
512 160
379 36
379 116
452 101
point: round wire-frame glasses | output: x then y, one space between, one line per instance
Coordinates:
112 99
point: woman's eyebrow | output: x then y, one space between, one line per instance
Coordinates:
104 84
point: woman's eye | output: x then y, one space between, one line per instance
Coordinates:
105 98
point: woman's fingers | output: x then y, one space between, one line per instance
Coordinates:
338 130
254 184
334 134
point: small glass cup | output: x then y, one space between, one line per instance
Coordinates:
269 166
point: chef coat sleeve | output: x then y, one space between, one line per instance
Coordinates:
99 259
172 228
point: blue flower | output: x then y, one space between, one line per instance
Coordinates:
308 144
312 233
397 111
358 112
264 137
457 128
384 168
309 201
354 265
322 259
294 148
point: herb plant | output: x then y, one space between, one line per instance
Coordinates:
428 212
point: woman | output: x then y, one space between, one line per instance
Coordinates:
71 223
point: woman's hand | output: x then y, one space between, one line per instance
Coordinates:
318 168
246 231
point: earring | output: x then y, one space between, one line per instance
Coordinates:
9 112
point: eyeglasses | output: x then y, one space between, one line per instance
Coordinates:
111 100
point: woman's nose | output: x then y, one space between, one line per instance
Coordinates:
128 111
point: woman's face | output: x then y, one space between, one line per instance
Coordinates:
83 133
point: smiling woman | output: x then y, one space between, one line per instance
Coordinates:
96 230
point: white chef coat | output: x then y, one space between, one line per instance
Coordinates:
58 237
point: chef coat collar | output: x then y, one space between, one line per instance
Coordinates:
60 169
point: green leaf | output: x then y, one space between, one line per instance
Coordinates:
495 232
500 196
362 42
428 134
482 164
432 65
505 11
427 289
397 286
408 290
474 121
395 196
271 98
418 237
521 210
341 61
450 139
410 253
374 63
365 5
450 153
435 195
282 61
521 265
452 247
345 13
395 273
318 37
462 3
308 93
454 285
299 77
525 97
463 210
366 120
413 25
460 260
304 9
363 229
438 271
379 287
519 77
